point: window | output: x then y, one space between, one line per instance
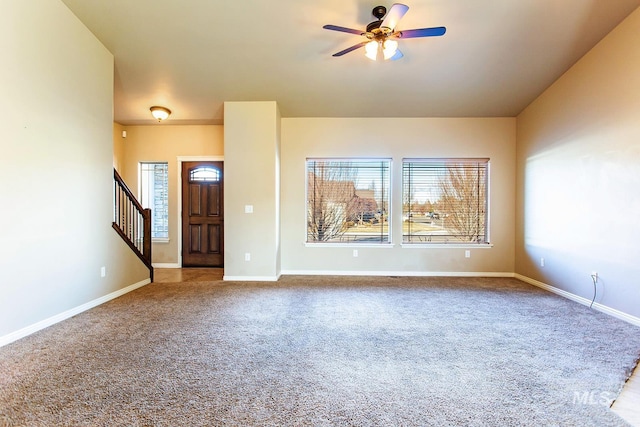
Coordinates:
348 200
204 173
154 194
445 200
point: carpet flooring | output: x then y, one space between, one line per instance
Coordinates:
323 351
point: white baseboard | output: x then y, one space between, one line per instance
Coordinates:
21 333
251 278
363 273
165 265
584 301
396 273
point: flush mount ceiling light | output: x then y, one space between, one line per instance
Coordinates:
160 113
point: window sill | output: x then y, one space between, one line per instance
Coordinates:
447 245
349 245
160 240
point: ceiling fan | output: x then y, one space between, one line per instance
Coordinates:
380 34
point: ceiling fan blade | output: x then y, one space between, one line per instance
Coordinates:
420 32
394 15
352 48
343 29
397 55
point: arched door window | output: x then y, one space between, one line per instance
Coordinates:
204 173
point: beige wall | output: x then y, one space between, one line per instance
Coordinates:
264 167
57 170
167 143
578 162
118 148
396 139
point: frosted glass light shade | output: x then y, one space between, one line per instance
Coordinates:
389 48
160 113
371 50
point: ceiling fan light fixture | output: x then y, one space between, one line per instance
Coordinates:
389 48
160 113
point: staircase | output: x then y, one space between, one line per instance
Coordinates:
131 221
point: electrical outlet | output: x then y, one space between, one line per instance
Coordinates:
594 276
103 271
355 253
541 262
247 256
467 254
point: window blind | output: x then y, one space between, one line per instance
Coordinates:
445 200
348 200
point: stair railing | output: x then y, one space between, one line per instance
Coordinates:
132 221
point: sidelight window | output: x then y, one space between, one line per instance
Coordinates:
154 194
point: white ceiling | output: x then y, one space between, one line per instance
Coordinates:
193 55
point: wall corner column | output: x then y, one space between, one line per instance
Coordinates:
251 190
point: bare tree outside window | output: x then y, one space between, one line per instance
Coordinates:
363 207
330 188
464 201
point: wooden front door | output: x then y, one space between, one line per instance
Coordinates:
202 214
